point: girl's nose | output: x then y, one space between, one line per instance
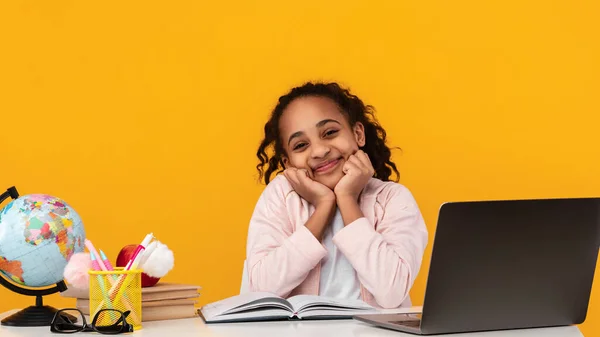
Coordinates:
320 150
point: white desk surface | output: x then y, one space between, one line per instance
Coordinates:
342 328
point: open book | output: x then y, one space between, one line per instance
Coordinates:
261 306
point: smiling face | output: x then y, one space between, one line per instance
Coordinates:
316 136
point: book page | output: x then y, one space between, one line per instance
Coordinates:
303 303
332 312
263 303
251 315
244 302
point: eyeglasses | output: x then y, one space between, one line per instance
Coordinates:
106 321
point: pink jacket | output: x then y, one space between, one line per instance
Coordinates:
385 247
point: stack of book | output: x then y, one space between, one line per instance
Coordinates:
160 302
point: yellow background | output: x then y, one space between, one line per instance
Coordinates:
146 116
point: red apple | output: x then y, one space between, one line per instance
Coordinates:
125 255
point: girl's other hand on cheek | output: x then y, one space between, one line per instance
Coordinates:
357 172
312 191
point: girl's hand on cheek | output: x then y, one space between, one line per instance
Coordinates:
357 172
312 191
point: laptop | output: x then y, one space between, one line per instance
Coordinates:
509 264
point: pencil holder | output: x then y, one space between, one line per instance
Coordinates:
119 289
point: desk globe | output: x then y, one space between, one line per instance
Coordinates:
38 235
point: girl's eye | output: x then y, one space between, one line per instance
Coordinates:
330 132
299 146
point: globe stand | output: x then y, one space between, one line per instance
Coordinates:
38 314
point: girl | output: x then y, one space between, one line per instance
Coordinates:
332 224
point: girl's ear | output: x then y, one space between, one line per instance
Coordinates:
359 134
285 162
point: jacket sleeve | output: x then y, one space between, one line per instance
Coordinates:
387 259
278 257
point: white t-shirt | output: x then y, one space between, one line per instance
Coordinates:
338 277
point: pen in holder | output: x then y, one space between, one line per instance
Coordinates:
118 289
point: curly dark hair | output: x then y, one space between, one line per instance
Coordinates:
355 111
